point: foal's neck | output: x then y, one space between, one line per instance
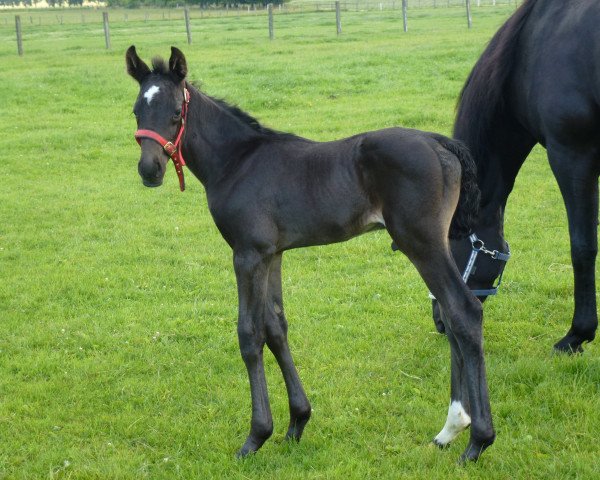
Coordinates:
215 138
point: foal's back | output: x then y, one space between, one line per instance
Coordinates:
312 193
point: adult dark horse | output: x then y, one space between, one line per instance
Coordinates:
538 81
269 192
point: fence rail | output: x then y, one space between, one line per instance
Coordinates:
60 16
189 15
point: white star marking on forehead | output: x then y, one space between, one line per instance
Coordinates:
149 95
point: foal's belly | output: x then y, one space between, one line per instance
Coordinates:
324 226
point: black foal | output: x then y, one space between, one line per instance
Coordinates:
269 192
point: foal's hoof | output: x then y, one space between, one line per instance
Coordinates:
248 448
297 428
394 247
440 445
244 452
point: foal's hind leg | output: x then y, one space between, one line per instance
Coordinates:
276 329
464 321
426 246
458 412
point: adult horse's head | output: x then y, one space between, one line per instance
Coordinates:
160 113
481 259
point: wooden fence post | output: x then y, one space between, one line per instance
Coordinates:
106 30
186 13
270 11
338 17
469 21
405 15
19 35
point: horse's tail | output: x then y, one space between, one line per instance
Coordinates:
467 209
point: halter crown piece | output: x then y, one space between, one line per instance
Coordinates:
172 149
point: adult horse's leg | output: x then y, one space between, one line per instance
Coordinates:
276 329
252 271
577 177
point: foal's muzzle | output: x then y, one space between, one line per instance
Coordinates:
152 171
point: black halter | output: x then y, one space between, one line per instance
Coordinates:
477 247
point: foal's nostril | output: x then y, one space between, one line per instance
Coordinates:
150 171
148 168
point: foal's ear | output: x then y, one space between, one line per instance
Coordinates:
135 65
177 63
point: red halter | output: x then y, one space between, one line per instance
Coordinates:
172 149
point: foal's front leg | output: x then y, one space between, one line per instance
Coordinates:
278 344
251 270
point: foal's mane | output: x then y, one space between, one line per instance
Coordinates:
482 97
249 120
160 67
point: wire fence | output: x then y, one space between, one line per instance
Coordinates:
19 20
32 16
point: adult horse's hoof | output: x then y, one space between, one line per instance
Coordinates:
474 451
571 343
471 454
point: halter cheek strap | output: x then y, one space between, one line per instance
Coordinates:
477 247
172 149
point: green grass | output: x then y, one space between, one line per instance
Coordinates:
118 346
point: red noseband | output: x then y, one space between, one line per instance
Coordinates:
172 149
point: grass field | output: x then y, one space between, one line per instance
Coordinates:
118 346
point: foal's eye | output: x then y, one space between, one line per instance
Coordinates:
177 114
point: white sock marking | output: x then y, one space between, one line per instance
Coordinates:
456 422
149 95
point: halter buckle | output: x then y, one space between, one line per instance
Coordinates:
477 246
170 148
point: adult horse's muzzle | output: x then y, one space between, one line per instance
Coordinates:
483 274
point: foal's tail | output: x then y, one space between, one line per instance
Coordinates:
467 209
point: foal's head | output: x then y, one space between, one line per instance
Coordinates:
158 108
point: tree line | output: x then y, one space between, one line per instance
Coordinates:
34 3
179 3
141 3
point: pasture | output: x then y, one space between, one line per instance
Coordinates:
118 344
